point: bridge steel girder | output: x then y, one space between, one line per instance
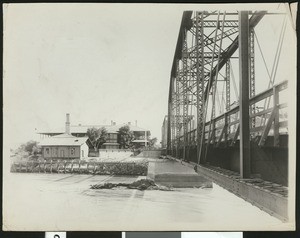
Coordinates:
184 79
171 123
177 110
169 129
252 75
227 102
200 81
244 61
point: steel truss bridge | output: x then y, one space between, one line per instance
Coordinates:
222 128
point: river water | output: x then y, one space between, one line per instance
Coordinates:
65 202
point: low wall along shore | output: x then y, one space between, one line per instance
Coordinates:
82 167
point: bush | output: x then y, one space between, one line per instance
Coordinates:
30 148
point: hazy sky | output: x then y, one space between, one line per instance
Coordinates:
98 62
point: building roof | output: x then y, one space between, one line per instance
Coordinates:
64 140
81 129
75 129
140 141
132 127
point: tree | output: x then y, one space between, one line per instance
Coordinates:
97 136
125 137
148 134
102 137
93 134
31 148
152 142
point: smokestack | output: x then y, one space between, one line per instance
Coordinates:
68 123
135 122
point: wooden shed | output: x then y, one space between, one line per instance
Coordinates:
65 146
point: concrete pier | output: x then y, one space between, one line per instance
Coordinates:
174 174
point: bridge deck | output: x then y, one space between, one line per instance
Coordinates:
268 196
256 182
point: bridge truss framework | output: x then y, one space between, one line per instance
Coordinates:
206 46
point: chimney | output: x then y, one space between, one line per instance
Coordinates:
129 123
114 123
135 122
67 124
111 122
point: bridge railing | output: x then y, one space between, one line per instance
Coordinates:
271 120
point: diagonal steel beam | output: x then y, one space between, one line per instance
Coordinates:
254 20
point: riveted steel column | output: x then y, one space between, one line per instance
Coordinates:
173 122
169 128
200 82
244 94
185 102
177 108
227 85
227 118
252 75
